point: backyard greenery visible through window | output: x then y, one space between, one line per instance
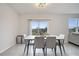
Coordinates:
39 27
73 24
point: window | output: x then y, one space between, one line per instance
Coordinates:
39 27
73 24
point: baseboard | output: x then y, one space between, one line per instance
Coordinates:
6 48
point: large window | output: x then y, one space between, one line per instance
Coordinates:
39 27
73 24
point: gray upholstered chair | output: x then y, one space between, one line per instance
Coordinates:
51 43
39 43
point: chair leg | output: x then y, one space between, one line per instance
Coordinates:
52 49
44 51
55 51
34 51
63 48
27 49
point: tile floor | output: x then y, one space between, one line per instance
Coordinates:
17 50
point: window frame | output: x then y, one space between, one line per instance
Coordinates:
38 21
77 24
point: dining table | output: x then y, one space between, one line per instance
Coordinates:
29 38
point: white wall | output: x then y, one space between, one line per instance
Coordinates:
58 23
9 23
8 27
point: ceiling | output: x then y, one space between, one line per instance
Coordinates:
52 8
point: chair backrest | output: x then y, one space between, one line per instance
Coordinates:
50 42
39 42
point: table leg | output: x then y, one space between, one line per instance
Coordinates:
21 40
28 47
24 49
60 46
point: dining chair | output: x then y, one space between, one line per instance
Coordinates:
39 42
51 43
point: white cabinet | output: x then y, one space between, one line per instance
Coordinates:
74 38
